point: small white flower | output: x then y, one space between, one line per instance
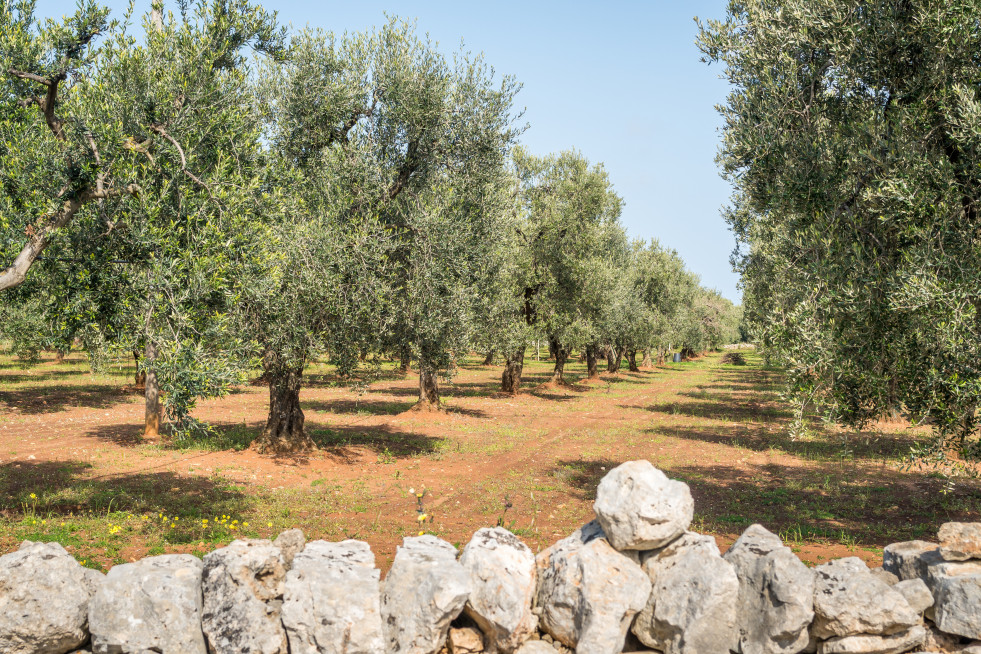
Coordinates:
412 491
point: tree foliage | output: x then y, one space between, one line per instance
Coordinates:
852 135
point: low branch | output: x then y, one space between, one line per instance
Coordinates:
31 77
40 238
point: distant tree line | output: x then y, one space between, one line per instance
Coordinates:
219 195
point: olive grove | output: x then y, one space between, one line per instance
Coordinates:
222 199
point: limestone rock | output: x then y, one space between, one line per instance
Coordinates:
425 590
897 643
692 605
910 559
849 601
776 594
957 593
44 600
589 593
151 605
243 588
535 647
465 640
639 508
502 586
884 575
331 601
290 543
916 593
960 541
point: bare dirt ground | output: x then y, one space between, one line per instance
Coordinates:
74 467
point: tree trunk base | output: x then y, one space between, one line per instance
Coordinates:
284 443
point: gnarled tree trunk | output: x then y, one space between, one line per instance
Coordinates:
428 389
592 354
405 358
513 367
284 432
151 393
139 378
613 359
647 362
632 361
489 359
561 355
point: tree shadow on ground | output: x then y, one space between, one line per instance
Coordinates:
819 444
718 409
65 487
34 401
835 503
346 443
358 407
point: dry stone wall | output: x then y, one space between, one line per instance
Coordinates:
634 579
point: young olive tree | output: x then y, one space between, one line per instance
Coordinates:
852 134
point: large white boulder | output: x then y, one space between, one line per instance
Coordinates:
44 600
424 591
639 508
850 601
502 587
588 593
243 588
331 600
151 605
776 594
692 606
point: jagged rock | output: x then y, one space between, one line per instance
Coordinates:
290 543
243 588
910 559
465 640
588 592
535 647
884 576
502 586
849 601
957 593
425 590
960 541
896 643
776 594
639 508
916 593
44 600
151 605
692 605
331 601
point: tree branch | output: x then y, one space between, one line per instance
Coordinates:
158 129
40 238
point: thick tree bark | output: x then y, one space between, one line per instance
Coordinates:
592 354
513 367
151 394
489 359
632 361
647 362
561 355
139 377
284 432
661 354
428 389
405 359
613 356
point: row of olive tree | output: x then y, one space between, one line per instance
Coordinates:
221 196
852 136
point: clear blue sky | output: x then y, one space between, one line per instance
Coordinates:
621 82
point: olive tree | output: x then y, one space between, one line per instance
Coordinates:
852 134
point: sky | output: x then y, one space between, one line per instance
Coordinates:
622 83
